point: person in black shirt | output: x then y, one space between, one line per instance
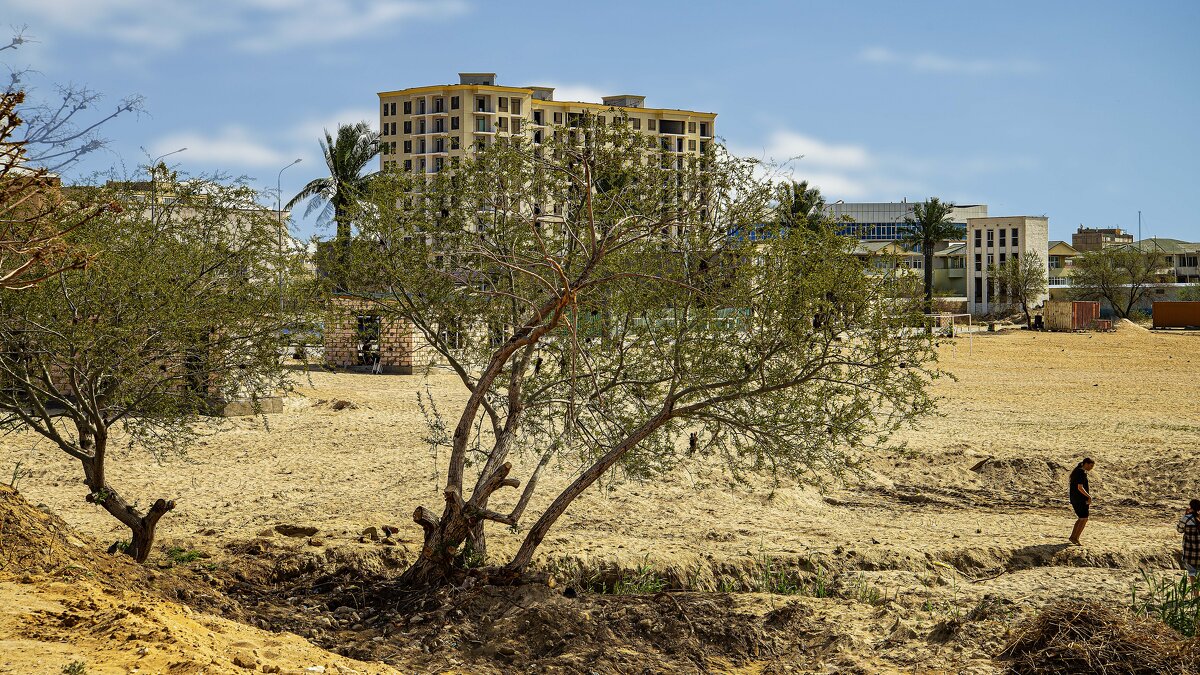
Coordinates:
1081 499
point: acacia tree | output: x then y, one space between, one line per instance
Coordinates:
1022 280
179 312
590 296
38 138
1121 275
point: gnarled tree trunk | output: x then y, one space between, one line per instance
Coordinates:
141 526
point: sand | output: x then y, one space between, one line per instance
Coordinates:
973 507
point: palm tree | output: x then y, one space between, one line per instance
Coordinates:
931 224
334 195
800 204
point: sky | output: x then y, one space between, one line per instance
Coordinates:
1085 112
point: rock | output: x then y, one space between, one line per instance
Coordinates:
371 533
244 660
296 530
267 533
315 669
270 668
316 541
389 530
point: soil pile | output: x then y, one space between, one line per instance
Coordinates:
1096 638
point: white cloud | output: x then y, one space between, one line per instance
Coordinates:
935 63
251 25
238 148
229 147
575 92
854 171
784 145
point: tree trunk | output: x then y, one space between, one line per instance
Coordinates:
142 527
928 253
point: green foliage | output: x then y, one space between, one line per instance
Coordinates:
1122 275
1021 280
588 289
19 473
801 205
181 311
1175 602
930 225
75 668
182 556
645 580
1190 293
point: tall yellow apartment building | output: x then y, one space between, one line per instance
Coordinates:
422 128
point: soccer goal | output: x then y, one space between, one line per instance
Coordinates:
948 324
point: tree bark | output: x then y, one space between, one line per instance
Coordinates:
142 527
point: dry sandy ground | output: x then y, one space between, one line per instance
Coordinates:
975 505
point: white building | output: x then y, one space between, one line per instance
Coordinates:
991 242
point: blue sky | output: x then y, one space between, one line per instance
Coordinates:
1082 111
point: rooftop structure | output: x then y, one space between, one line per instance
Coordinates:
423 129
884 221
1093 239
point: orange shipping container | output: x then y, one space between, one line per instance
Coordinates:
1176 314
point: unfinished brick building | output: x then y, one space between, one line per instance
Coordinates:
357 336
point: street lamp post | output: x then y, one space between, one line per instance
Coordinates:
279 219
154 181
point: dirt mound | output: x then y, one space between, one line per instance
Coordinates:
1023 476
1095 638
33 541
36 545
1127 326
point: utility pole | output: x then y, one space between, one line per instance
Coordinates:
154 181
279 221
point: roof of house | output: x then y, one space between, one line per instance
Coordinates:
1167 245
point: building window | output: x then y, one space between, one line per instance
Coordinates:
502 123
978 262
1014 237
537 136
516 106
600 119
481 104
1002 257
1002 233
704 129
516 124
691 145
437 164
454 103
408 165
408 147
385 108
408 126
691 127
652 125
453 123
991 260
408 107
454 142
978 238
537 117
558 118
991 238
637 123
502 103
439 105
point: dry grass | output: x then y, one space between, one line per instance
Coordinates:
1094 638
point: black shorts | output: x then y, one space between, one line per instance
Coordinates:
1081 509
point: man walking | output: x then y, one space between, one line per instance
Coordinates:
1081 499
1189 527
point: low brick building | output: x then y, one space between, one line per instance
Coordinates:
358 336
